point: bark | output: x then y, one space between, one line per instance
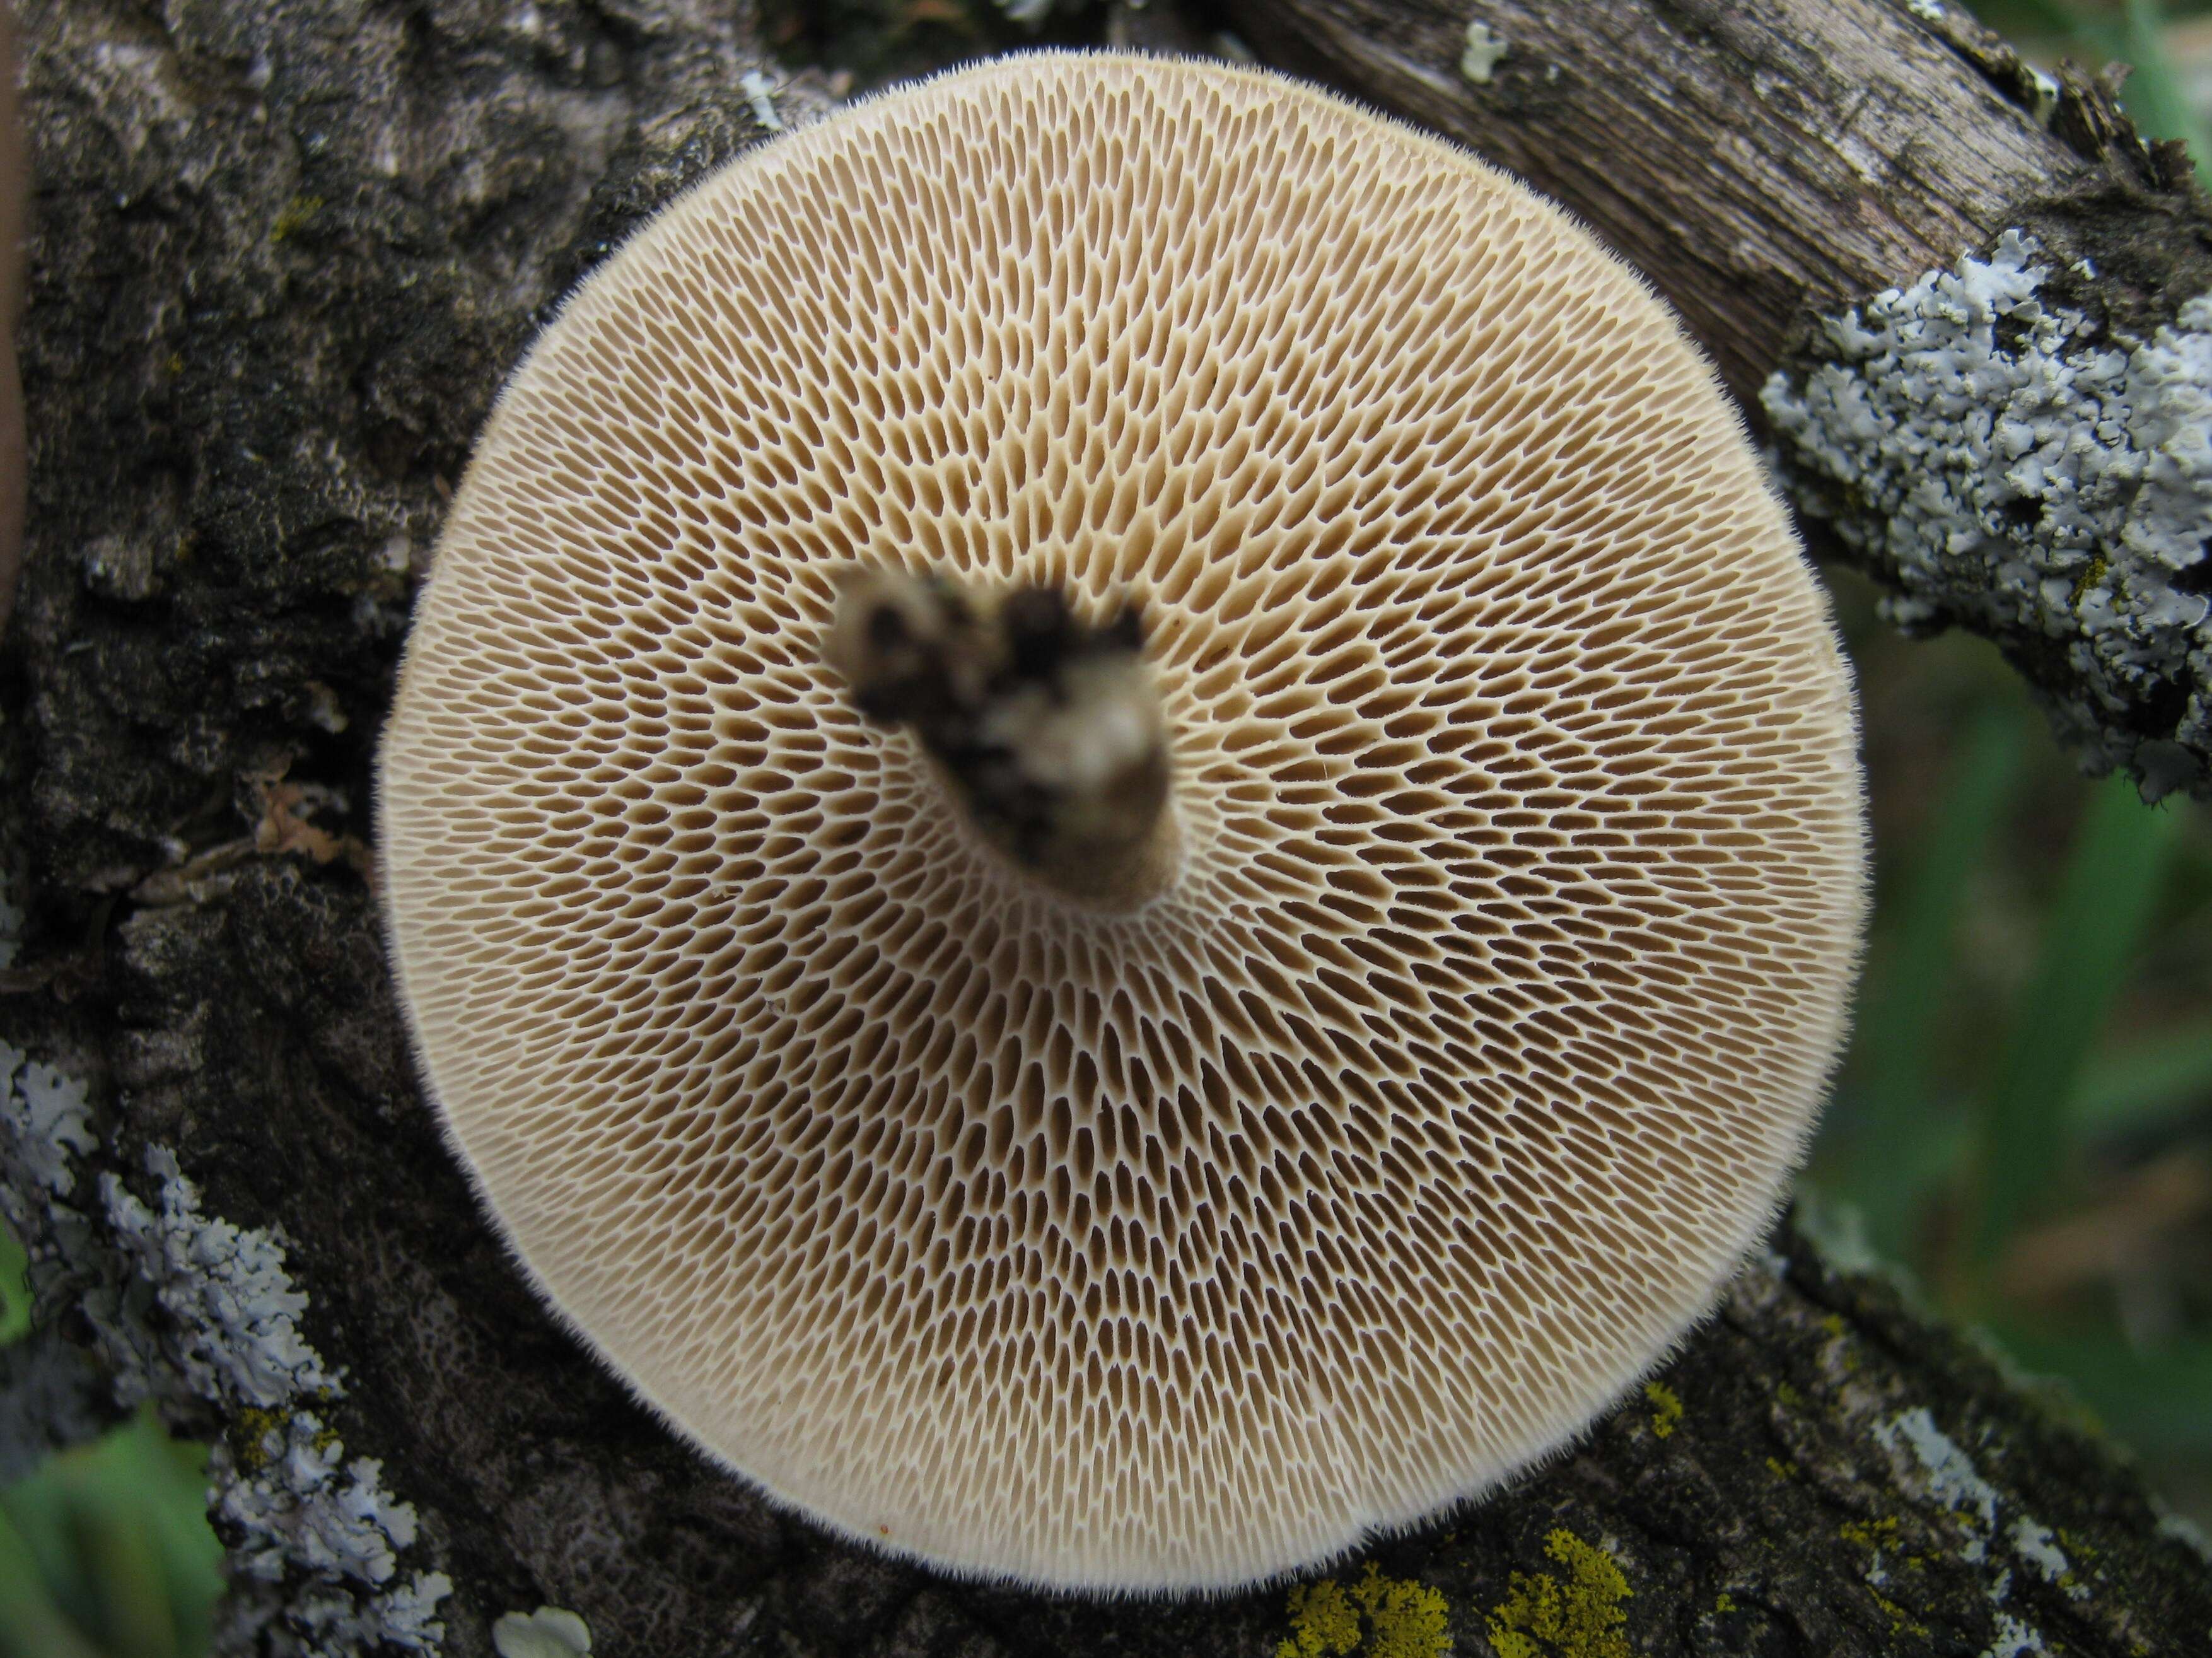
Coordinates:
1775 167
284 253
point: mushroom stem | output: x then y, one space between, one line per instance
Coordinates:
1047 731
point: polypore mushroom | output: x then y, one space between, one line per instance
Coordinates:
1182 1227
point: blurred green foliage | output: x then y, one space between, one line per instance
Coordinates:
2025 1119
105 1551
2093 33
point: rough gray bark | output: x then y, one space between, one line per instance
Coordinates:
285 253
1775 166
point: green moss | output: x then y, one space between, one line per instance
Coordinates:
1580 1618
1786 1395
1405 1619
1665 1408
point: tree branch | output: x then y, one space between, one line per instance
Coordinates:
286 253
2014 443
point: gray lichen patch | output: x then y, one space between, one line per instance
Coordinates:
46 1121
314 1536
1483 52
547 1632
2011 469
1993 1535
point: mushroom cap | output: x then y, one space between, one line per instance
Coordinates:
1522 867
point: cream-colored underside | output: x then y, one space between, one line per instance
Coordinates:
1520 824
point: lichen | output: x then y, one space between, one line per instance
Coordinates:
45 1120
297 215
2036 1544
1324 1622
1483 51
2008 469
1410 1619
2014 1639
1947 1475
547 1632
292 1502
1937 1470
1580 1618
1405 1619
759 90
192 1308
1665 1408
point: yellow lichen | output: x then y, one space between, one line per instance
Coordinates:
1409 1617
1869 1533
295 216
1901 1622
1786 1395
1541 1617
1780 1469
1665 1408
1405 1620
1323 1624
1726 1603
249 1435
2079 1547
1834 1324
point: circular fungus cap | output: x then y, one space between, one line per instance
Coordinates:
1469 1039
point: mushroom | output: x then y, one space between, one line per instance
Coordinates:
1449 1034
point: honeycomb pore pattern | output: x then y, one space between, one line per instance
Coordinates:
1519 865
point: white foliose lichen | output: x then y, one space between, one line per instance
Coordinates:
2018 474
46 1116
317 1571
2014 1639
230 1301
306 1513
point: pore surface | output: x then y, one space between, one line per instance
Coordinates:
1520 860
